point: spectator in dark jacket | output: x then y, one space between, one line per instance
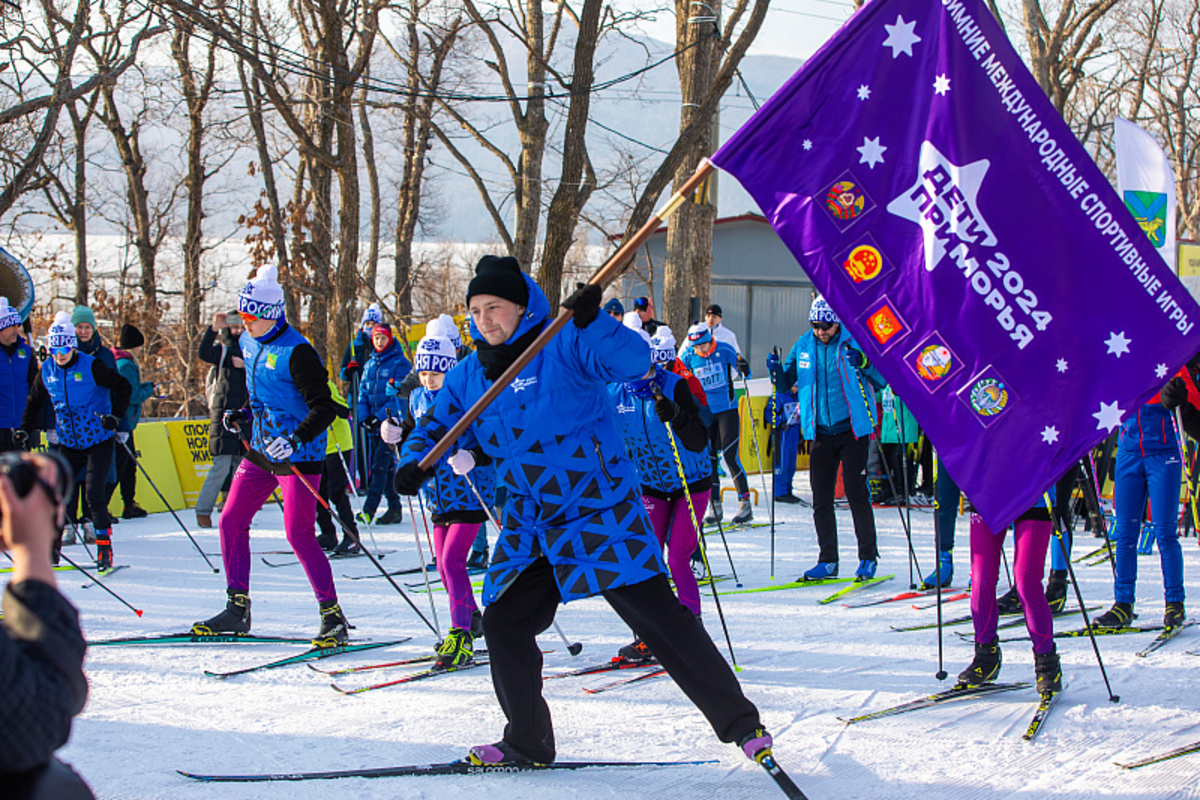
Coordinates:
18 368
41 646
131 339
220 348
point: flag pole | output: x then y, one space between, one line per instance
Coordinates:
611 269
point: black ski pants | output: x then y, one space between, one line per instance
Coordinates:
824 455
335 488
98 461
127 471
675 636
724 439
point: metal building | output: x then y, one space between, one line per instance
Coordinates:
755 279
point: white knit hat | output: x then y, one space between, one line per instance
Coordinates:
62 333
435 354
8 315
372 314
444 327
662 346
632 320
262 297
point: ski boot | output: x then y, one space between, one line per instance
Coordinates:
477 624
1010 602
1173 617
335 630
328 540
756 744
235 618
89 532
944 574
347 547
865 571
715 513
457 649
1056 590
478 560
133 511
699 571
985 667
635 651
1049 673
364 518
104 551
501 752
789 498
391 516
745 512
1120 615
68 536
823 570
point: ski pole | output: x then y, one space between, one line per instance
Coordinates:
97 581
912 554
777 440
757 449
574 648
1187 475
1103 524
350 482
1079 599
712 578
937 574
424 567
354 538
146 475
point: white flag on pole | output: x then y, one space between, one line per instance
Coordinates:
1146 183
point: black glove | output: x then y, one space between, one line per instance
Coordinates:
409 478
857 358
369 424
27 440
585 302
665 409
743 366
233 421
109 422
1174 394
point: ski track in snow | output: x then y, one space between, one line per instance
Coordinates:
152 710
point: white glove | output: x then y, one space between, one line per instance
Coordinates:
461 462
52 436
390 432
123 436
281 448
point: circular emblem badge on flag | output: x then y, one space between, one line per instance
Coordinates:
863 263
989 397
845 200
934 362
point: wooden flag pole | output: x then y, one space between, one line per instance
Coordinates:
611 269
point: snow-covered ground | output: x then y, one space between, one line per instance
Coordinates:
152 710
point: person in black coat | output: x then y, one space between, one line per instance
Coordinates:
227 391
41 645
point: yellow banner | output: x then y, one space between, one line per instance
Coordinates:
750 424
154 454
1189 259
189 447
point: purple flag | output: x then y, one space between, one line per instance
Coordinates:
945 210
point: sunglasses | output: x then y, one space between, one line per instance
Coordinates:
823 326
247 317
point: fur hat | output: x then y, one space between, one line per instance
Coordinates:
435 354
130 337
821 312
262 296
8 314
500 276
62 333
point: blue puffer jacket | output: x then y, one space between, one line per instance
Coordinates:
276 400
646 438
447 496
15 371
1150 430
79 402
381 367
856 389
573 494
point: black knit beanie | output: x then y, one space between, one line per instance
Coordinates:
500 276
130 337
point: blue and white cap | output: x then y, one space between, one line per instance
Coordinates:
9 316
262 297
445 327
372 315
820 311
435 354
662 346
62 334
699 334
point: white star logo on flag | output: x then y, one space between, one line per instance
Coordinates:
1061 366
1117 344
1160 371
864 92
941 85
806 144
901 37
872 152
1049 434
1108 417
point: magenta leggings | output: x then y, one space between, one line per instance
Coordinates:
1031 537
251 487
673 526
451 545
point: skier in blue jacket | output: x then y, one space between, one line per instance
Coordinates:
386 365
573 523
18 370
89 399
714 364
837 415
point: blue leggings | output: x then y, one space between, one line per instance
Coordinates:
1156 475
947 507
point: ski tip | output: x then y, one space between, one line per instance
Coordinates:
340 690
193 775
